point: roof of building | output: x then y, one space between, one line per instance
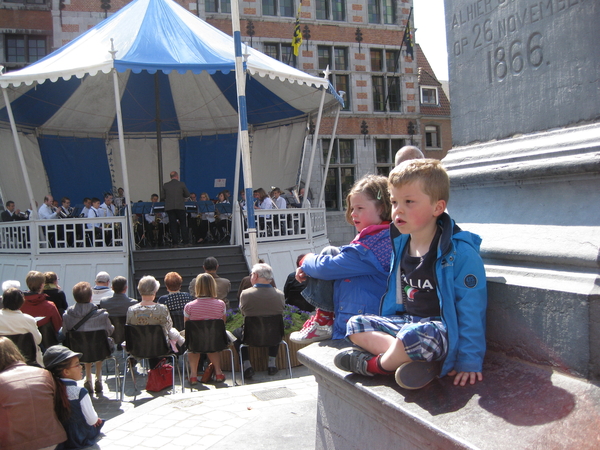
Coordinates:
427 78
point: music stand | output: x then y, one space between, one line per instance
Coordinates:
225 208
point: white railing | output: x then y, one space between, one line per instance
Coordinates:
104 234
287 224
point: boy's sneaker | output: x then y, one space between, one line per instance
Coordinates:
312 332
353 360
417 374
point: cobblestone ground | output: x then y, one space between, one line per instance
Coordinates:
206 416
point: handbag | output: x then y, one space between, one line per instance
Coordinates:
160 377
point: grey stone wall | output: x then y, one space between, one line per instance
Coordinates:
512 60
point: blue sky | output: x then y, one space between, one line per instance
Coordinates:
431 34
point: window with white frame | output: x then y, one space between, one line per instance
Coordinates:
280 52
341 173
283 8
337 60
217 6
429 95
331 10
385 154
24 48
382 11
432 137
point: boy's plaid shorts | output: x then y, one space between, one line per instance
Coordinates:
424 339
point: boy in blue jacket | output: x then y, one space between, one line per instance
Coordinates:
432 316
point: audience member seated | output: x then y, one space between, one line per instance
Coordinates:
293 290
211 265
26 403
55 293
102 288
98 320
8 284
175 300
37 304
205 307
149 313
13 321
246 283
261 299
119 303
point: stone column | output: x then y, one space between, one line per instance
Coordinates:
525 170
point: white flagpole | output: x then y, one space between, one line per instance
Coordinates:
240 78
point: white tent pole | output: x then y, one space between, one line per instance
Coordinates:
15 134
306 134
240 82
121 141
335 124
236 187
314 143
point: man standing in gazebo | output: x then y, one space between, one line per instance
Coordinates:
174 194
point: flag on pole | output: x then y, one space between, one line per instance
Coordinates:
297 39
407 39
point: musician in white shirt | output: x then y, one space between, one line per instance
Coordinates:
47 211
87 204
107 209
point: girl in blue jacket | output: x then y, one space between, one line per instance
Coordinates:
349 280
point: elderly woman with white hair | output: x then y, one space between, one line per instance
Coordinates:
149 313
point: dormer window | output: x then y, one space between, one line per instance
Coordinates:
429 95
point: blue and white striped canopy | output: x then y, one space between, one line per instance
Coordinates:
70 91
64 106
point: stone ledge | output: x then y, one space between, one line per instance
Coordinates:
517 406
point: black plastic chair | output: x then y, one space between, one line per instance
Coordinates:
49 337
95 347
264 331
178 322
119 332
145 342
26 345
207 336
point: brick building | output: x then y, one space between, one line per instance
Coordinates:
391 98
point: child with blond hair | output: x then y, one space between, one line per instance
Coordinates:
432 318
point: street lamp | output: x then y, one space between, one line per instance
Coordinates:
412 129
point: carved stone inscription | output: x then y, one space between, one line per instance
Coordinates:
520 66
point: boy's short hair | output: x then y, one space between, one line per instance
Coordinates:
434 178
35 281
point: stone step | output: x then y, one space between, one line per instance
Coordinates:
517 406
188 263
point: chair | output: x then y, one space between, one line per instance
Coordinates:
94 347
207 336
144 342
49 337
27 346
119 332
177 318
264 331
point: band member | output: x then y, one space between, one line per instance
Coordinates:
47 211
119 201
87 204
97 227
193 219
174 193
107 209
153 224
65 211
11 214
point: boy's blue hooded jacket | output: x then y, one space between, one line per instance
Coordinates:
461 288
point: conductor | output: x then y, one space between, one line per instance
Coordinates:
174 194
